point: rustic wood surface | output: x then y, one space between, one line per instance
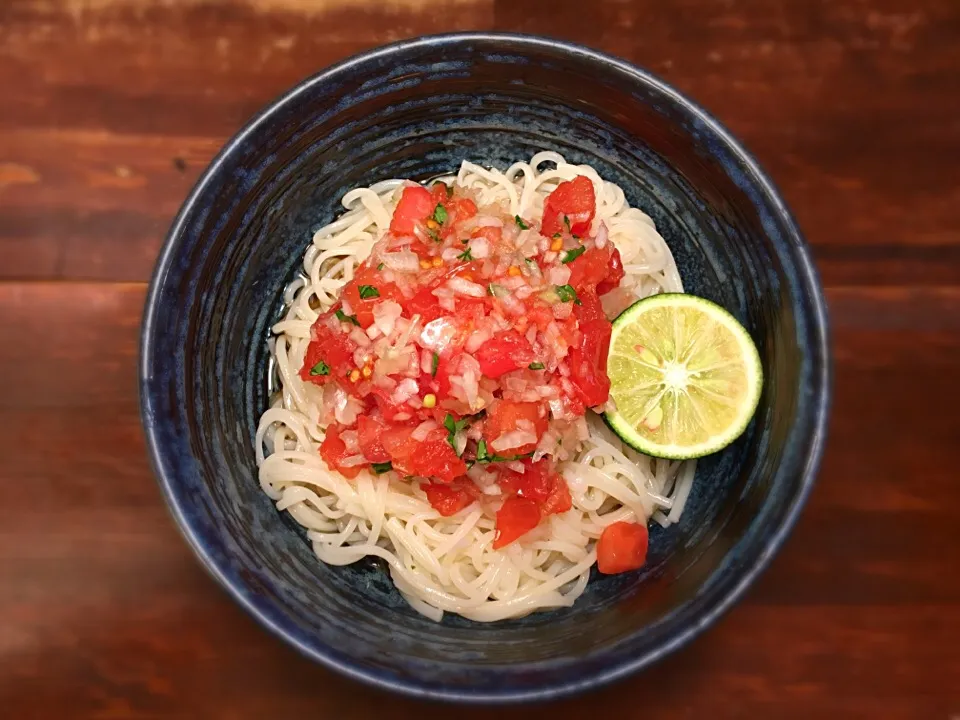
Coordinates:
111 108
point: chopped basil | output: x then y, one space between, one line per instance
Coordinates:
453 427
321 368
466 255
536 366
343 317
566 221
380 266
573 254
368 291
566 293
520 223
436 364
381 468
440 214
556 235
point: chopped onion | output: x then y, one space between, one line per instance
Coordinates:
488 221
385 316
562 310
513 439
512 305
476 340
404 261
465 287
479 248
558 275
601 239
359 337
352 461
405 390
423 429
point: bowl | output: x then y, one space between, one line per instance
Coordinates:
415 109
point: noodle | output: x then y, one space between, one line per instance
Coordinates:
447 564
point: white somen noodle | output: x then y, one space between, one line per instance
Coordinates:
447 564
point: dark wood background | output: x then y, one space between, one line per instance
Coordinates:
109 110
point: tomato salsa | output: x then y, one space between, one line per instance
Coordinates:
464 352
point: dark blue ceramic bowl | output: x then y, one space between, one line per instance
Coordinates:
414 110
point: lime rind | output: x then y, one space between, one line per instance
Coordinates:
685 376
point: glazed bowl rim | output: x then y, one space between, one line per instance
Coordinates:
706 607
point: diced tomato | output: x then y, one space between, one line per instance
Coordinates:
416 204
589 307
450 499
504 352
432 457
329 346
505 416
622 547
436 458
538 482
590 269
333 450
464 209
575 200
614 274
425 304
369 430
389 409
588 362
515 518
362 307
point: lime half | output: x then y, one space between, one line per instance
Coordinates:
684 374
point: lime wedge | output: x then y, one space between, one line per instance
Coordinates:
684 374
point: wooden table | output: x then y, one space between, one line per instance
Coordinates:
111 108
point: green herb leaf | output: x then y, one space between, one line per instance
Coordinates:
368 291
536 366
483 457
434 235
566 293
520 223
453 427
556 235
321 368
343 317
436 364
573 254
466 255
566 221
380 266
381 468
440 214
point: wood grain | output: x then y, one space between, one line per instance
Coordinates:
850 105
111 109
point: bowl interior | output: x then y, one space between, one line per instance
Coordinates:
416 111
